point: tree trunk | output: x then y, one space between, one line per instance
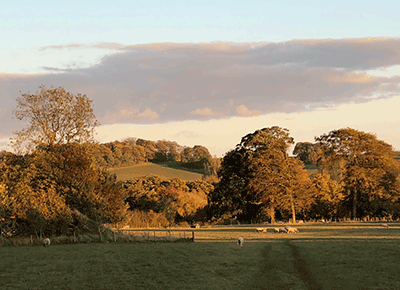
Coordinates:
293 209
354 206
271 213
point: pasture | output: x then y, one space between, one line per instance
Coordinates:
320 256
164 170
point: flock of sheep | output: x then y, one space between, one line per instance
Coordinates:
286 230
240 240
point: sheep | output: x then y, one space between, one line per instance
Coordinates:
240 241
283 230
276 230
385 226
291 230
261 230
46 242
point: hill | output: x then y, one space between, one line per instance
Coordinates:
158 169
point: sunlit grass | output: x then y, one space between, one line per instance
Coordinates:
156 169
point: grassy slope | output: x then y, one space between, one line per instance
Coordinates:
157 169
320 256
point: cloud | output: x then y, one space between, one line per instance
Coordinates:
167 82
202 112
243 111
149 114
123 112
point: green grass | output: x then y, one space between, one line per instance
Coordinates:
157 169
320 256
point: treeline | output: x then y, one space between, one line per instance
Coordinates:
133 151
61 178
45 192
155 201
358 178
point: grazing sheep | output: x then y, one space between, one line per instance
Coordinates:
283 230
46 242
276 230
385 226
291 230
261 230
300 222
240 241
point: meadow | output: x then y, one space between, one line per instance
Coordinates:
320 256
168 170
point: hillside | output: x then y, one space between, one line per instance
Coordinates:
157 169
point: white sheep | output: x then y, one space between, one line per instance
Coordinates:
385 226
276 230
292 230
240 241
261 230
46 242
283 230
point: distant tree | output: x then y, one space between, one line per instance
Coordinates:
366 167
54 116
196 157
306 152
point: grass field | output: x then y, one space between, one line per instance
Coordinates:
157 169
320 256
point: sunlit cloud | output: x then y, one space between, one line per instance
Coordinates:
170 82
243 111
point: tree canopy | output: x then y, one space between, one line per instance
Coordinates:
258 177
54 116
365 166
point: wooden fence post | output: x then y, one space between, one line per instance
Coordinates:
192 236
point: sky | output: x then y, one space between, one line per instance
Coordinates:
208 73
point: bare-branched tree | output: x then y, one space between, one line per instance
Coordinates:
54 116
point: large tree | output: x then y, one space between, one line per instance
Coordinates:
365 166
54 116
258 177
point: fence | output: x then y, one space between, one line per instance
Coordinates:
156 234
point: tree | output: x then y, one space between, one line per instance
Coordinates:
306 152
278 181
55 116
366 167
328 197
196 157
258 177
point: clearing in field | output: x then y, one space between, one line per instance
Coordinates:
320 256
